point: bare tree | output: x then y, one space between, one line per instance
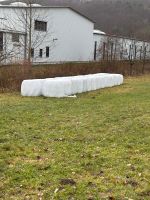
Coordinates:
8 51
24 21
27 16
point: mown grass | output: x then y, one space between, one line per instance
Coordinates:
96 146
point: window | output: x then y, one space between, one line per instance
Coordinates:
15 37
95 49
32 52
40 25
41 53
1 41
47 52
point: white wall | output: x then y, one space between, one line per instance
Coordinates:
99 39
73 32
122 44
12 51
74 35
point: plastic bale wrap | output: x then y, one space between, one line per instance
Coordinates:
110 81
120 81
88 83
77 84
32 87
92 82
57 87
85 85
96 82
117 79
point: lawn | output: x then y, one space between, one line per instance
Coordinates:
93 147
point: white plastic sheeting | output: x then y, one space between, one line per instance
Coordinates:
57 87
66 86
32 87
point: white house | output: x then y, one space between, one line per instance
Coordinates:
58 34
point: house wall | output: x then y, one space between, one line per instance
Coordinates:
13 52
99 39
69 35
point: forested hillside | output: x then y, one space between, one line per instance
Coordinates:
129 18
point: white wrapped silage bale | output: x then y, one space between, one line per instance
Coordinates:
110 81
85 83
117 79
88 83
93 82
106 81
57 87
32 87
99 81
77 84
113 80
120 81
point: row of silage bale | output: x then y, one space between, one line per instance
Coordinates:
78 84
66 86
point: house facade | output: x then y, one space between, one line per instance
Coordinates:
56 34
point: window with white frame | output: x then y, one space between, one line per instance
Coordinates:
47 52
32 52
40 25
1 41
41 53
15 37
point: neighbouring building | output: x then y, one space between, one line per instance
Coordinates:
112 47
59 34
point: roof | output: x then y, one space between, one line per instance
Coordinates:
127 38
40 7
98 32
12 31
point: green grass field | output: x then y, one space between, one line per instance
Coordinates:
95 146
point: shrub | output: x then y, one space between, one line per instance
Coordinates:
12 76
